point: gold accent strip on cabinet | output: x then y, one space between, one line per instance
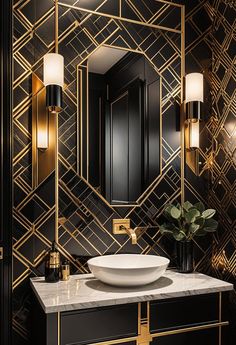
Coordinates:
116 341
190 329
58 328
220 316
144 335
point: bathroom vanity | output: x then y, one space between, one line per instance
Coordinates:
177 309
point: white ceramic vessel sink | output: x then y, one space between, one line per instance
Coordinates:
128 269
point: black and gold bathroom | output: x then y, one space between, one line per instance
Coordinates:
94 162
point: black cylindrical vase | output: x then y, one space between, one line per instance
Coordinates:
185 256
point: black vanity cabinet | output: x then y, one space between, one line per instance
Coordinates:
99 324
195 320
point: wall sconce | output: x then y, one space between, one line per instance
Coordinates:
53 79
194 100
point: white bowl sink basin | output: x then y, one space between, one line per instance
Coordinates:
128 269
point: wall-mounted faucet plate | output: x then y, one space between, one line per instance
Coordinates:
119 226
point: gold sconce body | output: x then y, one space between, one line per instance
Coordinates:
43 134
42 128
194 97
192 130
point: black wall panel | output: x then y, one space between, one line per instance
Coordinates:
87 230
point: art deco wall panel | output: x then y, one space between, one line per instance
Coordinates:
87 230
222 194
85 218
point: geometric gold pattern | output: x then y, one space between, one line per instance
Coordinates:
86 220
86 228
222 194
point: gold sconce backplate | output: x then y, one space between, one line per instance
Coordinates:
192 156
43 160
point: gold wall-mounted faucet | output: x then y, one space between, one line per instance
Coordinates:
132 234
122 226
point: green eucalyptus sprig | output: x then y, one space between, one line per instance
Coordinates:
187 221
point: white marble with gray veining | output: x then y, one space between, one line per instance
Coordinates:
84 291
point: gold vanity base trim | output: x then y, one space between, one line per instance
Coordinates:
145 338
144 335
117 341
190 329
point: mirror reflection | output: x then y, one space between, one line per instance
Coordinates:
119 124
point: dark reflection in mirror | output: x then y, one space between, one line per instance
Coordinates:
120 124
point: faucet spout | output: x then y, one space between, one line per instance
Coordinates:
132 233
133 236
122 226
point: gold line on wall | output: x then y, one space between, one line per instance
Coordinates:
182 109
120 18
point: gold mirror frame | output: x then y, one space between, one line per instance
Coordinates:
122 18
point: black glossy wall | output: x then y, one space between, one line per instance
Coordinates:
87 231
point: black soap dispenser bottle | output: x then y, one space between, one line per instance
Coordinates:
52 265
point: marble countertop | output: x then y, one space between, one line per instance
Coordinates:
84 291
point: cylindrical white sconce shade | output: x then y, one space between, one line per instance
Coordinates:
194 133
53 69
194 87
53 78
